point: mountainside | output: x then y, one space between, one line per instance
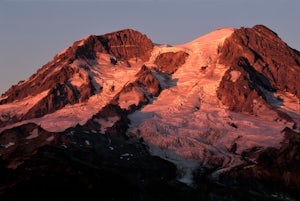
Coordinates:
115 116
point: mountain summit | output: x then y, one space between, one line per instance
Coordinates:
216 113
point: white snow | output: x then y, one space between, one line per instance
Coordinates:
110 78
290 105
19 108
188 118
129 98
80 78
184 166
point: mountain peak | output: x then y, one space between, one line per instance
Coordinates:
224 101
129 31
268 61
263 28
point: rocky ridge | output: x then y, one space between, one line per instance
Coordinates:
264 63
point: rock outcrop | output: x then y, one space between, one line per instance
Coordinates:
77 60
169 62
259 60
124 45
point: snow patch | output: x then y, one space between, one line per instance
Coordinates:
107 122
63 52
79 79
234 75
128 99
33 134
157 50
185 167
18 108
8 145
82 41
3 98
290 105
50 139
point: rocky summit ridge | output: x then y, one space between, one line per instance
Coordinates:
116 117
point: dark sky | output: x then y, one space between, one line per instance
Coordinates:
33 31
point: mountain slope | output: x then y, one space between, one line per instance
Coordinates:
218 107
79 72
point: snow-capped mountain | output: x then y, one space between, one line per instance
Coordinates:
226 102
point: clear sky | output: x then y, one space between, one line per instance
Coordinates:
33 31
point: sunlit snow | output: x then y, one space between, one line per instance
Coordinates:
186 124
188 118
18 108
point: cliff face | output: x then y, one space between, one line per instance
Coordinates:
169 62
127 44
259 60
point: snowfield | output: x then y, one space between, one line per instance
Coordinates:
188 120
186 124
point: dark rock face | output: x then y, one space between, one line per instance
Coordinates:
135 90
82 164
282 164
169 62
124 44
56 99
264 61
127 44
238 95
79 164
143 89
39 82
149 81
17 144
